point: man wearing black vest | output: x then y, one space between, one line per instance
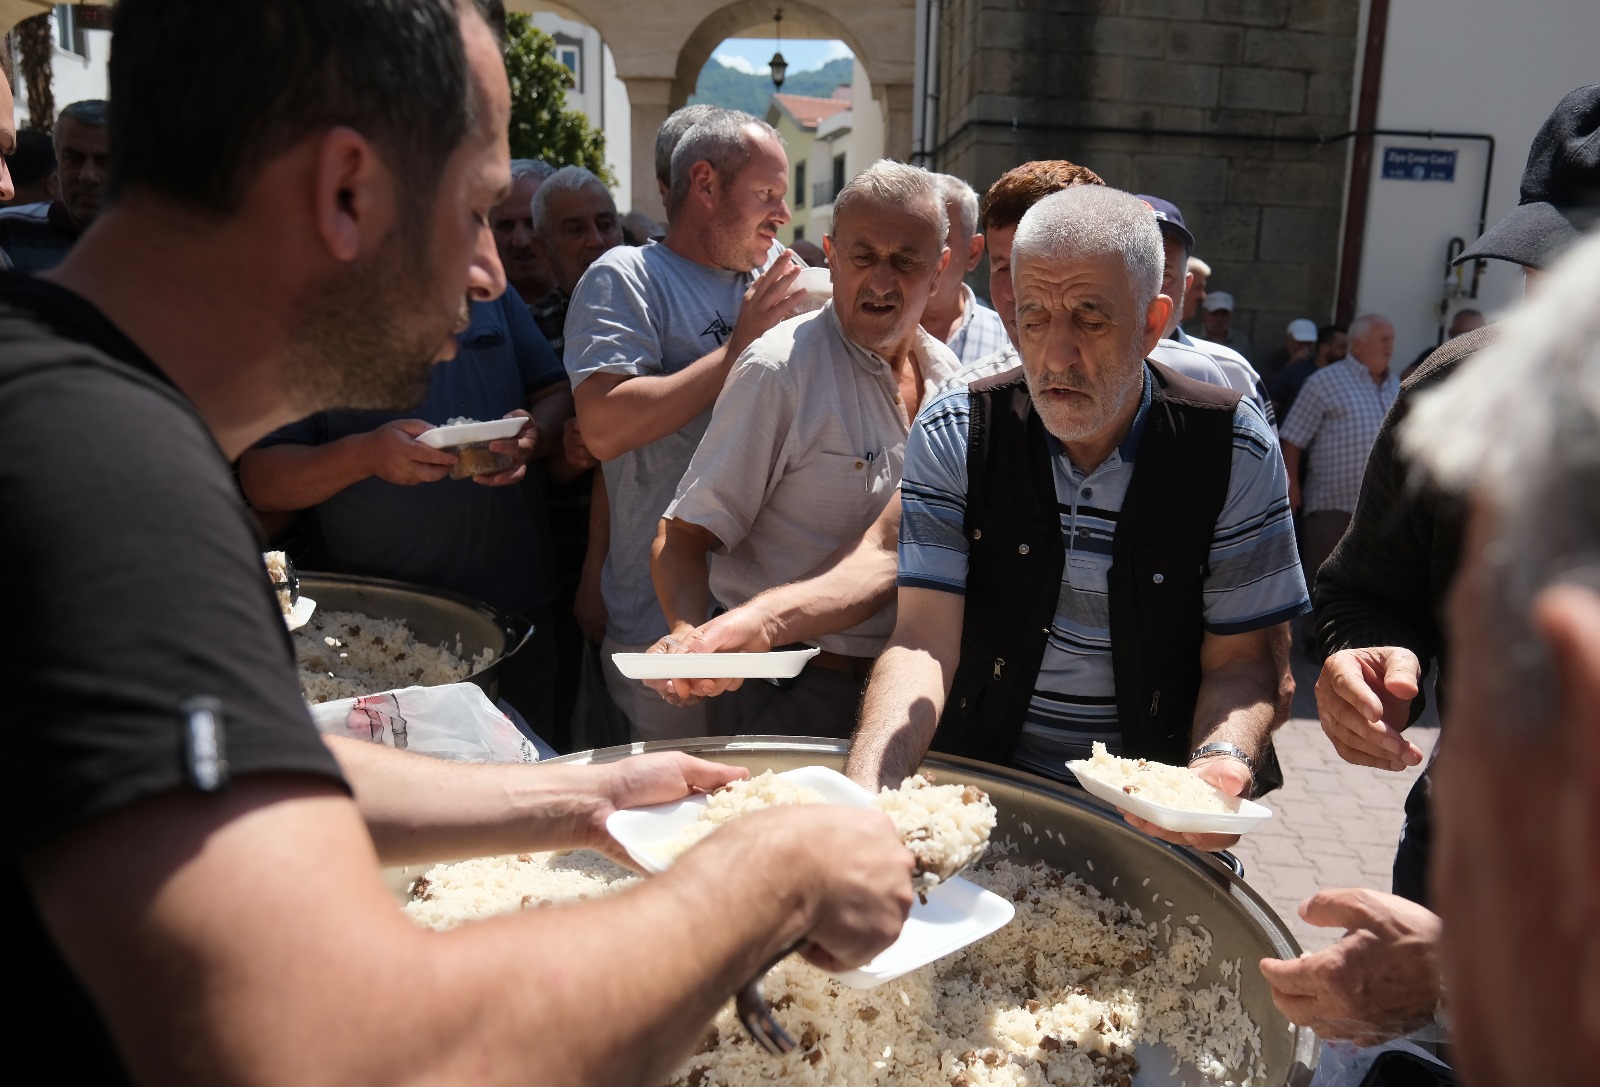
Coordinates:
1050 594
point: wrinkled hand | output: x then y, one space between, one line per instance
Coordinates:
589 607
1379 982
745 629
519 449
857 863
643 780
573 447
1229 775
770 299
1364 701
394 455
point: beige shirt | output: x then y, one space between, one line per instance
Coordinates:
804 449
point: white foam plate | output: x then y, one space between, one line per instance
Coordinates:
783 664
448 437
300 613
1246 816
958 912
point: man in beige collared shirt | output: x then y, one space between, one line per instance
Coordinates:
800 468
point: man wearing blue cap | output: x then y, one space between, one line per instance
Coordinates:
1179 244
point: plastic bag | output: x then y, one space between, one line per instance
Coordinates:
1345 1065
452 721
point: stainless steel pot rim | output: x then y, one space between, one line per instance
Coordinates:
1306 1046
516 631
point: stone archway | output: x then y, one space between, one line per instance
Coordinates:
659 49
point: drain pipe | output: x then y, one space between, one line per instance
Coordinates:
1355 208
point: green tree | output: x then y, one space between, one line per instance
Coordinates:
541 125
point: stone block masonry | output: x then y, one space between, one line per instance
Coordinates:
1024 79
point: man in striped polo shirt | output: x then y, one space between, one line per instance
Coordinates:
1032 624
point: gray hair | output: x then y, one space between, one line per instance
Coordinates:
952 190
1096 221
905 187
568 179
521 168
1363 325
723 140
1198 266
94 112
1518 425
672 130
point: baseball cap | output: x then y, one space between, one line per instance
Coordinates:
1217 300
1303 330
1170 220
1560 194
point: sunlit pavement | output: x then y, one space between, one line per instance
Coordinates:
1334 825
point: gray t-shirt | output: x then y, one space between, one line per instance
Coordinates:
639 312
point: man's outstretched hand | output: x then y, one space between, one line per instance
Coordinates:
1364 701
1380 981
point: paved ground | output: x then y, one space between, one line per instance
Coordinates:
1335 825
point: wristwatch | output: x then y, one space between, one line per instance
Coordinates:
1233 751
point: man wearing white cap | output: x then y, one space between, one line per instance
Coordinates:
1299 342
1216 322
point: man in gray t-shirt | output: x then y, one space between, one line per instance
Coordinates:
651 335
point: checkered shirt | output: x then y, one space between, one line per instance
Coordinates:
1335 419
982 333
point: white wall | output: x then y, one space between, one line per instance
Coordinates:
603 100
73 78
1491 66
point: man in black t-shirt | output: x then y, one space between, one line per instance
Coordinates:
196 896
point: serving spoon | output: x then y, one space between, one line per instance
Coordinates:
751 1002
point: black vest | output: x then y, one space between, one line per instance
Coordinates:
1159 558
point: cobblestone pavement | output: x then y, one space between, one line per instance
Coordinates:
1334 824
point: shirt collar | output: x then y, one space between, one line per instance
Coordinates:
1359 367
934 361
1181 336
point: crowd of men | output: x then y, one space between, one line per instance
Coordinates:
1011 530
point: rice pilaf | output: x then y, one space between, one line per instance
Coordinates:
1061 995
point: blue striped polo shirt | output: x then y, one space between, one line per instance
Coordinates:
1253 577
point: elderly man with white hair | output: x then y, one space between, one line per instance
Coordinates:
1093 549
800 466
955 317
1516 862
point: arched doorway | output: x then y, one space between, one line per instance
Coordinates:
660 49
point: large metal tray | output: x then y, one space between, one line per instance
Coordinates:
1091 840
435 616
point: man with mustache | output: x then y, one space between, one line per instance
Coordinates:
1093 548
527 271
651 336
37 236
191 872
802 458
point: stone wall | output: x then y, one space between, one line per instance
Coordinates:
1016 76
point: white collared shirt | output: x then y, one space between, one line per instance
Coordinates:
805 446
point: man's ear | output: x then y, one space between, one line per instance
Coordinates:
1157 319
974 252
703 183
1567 618
354 197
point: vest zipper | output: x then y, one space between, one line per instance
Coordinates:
1155 703
999 663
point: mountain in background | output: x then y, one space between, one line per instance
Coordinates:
729 87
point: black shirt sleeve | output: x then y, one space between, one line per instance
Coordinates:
133 586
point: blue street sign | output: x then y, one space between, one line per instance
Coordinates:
1418 164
